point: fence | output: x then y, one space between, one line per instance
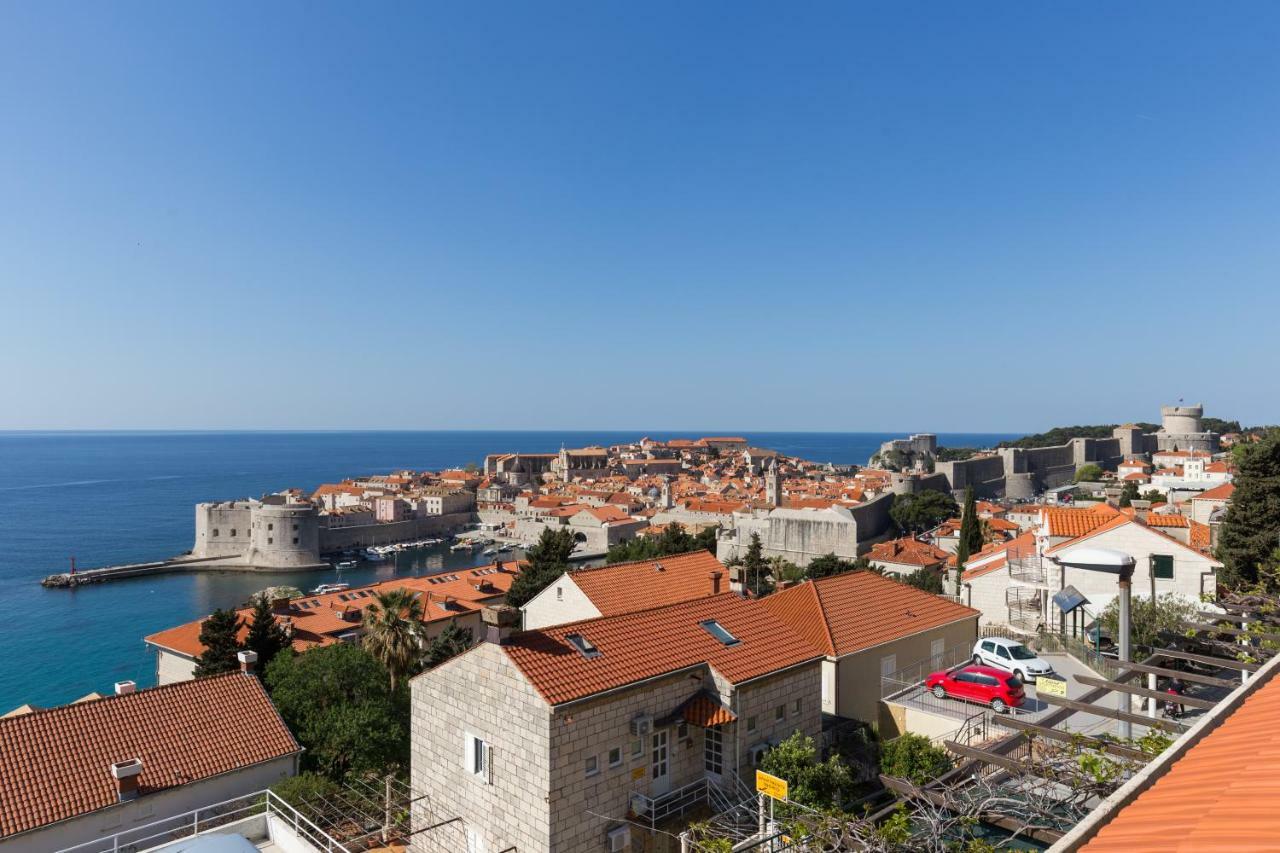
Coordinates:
912 675
1082 651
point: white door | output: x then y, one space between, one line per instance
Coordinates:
660 767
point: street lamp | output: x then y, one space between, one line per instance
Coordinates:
1112 562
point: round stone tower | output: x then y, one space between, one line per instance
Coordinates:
284 535
1181 420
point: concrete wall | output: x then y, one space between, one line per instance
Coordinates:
858 674
172 667
150 807
561 602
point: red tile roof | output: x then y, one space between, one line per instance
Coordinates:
317 619
649 643
645 584
907 551
1214 796
56 764
1217 493
705 710
1078 522
1167 519
849 612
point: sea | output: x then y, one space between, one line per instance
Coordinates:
107 498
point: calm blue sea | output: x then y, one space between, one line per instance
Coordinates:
111 498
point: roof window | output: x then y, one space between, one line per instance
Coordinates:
720 632
583 645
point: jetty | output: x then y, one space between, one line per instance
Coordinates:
83 577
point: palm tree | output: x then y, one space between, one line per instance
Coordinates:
393 632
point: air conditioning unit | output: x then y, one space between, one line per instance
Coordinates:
641 725
619 839
757 753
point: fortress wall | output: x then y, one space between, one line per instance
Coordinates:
364 535
872 519
985 475
223 529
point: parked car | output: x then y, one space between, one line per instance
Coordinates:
1011 656
975 683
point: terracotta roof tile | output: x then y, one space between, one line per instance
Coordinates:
705 710
1217 493
908 551
56 764
649 643
1078 522
1215 796
645 584
857 610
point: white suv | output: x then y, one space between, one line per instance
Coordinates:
1011 656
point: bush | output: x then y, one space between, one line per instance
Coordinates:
914 758
1088 474
304 787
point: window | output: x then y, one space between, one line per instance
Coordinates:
1162 566
270 526
713 751
795 709
718 631
751 724
215 531
233 531
270 540
592 765
615 756
637 747
583 645
295 527
780 713
682 731
988 646
559 594
478 758
295 540
1002 652
888 665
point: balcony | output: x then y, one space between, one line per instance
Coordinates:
1026 566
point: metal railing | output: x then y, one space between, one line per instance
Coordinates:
671 804
263 804
1026 565
915 673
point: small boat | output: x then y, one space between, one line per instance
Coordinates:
326 588
373 555
489 552
461 546
345 564
504 547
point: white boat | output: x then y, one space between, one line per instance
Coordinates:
504 547
489 552
345 564
462 546
326 588
373 555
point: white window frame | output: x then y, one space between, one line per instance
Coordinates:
591 766
482 768
611 762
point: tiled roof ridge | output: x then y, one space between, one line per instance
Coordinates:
822 610
559 626
588 569
123 697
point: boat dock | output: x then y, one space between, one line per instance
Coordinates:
82 577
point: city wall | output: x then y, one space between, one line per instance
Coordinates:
364 535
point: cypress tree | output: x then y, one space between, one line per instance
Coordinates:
266 636
1251 529
219 635
970 535
757 568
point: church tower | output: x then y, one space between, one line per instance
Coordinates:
773 484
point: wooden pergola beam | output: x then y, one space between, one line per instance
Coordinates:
1189 701
1103 711
1232 632
1069 737
1195 677
976 754
906 789
1225 663
1225 617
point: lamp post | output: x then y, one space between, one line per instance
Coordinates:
1113 562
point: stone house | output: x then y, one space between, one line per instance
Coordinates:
906 556
86 771
870 627
626 587
576 738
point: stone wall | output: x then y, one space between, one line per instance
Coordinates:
364 535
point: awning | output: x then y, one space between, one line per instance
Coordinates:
701 709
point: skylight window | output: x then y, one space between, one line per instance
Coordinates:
720 632
583 645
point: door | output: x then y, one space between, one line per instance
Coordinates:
713 753
937 648
660 765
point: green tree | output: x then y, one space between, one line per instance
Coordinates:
925 579
913 757
1146 620
450 642
219 634
810 782
706 538
673 539
1088 473
756 568
922 511
337 702
829 564
266 636
1251 527
547 560
1129 494
393 633
970 535
304 788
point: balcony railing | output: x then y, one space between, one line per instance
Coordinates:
1026 565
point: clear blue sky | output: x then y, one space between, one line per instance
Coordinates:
828 216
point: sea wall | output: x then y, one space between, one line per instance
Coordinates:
364 535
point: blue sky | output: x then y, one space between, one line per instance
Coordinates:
827 216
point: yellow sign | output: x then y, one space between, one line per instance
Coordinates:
771 786
1052 686
637 773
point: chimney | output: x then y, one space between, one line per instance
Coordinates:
123 687
715 582
248 660
126 774
738 580
1141 509
499 621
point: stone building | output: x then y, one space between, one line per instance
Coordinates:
1181 428
277 532
799 535
547 740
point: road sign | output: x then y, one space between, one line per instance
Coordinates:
771 786
1052 686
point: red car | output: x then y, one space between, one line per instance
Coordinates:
975 683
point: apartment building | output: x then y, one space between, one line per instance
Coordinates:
570 738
